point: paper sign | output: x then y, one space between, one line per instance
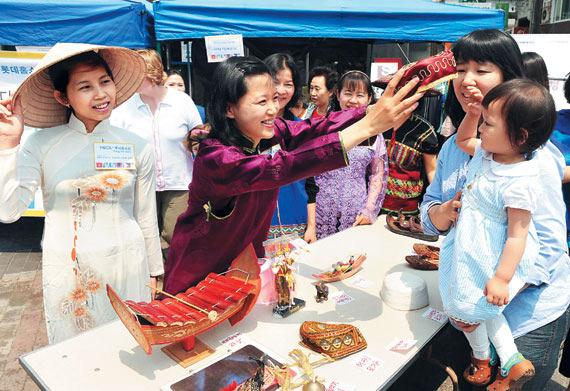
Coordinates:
367 363
114 156
361 282
401 345
435 315
341 298
221 47
235 341
338 386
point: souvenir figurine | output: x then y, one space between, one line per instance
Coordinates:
322 292
342 270
285 285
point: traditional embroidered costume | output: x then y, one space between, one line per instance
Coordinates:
356 189
406 179
234 190
100 225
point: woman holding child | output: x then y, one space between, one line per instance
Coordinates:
538 315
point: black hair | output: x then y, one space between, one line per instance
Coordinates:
492 46
330 76
535 68
528 111
523 22
172 72
352 80
59 72
567 88
278 62
228 86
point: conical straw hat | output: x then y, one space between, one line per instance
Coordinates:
40 108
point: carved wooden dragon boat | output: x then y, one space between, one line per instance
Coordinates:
230 295
350 269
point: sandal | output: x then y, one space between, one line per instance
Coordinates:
478 372
421 262
431 252
515 377
408 226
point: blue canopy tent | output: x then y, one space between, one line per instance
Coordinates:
402 20
46 22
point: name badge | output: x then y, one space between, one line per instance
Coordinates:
114 156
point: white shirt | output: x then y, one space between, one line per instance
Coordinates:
166 131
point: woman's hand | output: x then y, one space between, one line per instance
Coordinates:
11 123
393 109
450 209
361 220
153 285
310 234
497 291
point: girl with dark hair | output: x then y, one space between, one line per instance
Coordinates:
175 81
538 316
535 68
352 195
290 216
501 56
321 90
490 251
97 183
235 186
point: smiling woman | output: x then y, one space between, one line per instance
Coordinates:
97 183
236 182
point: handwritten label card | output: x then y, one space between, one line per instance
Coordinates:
401 345
361 282
367 363
235 341
338 386
341 298
435 315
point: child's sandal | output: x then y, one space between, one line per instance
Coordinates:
478 372
515 377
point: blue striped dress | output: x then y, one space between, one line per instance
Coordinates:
472 249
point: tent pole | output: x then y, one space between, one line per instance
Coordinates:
307 67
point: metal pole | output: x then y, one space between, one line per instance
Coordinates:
189 66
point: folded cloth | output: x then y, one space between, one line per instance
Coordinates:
334 340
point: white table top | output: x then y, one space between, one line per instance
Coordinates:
108 357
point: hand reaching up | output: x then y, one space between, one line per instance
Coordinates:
11 123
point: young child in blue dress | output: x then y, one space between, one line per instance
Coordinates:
489 254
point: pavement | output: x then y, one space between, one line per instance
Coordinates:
22 324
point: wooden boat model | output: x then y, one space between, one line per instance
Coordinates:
342 270
230 295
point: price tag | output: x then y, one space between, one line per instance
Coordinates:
367 363
338 386
435 315
235 341
361 282
341 298
114 156
401 345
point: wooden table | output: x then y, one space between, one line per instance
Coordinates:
109 358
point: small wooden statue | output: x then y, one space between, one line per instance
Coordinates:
322 292
285 285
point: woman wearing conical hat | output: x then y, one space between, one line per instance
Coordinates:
97 183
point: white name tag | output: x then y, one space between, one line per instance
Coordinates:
114 156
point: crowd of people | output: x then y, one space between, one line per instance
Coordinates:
123 156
